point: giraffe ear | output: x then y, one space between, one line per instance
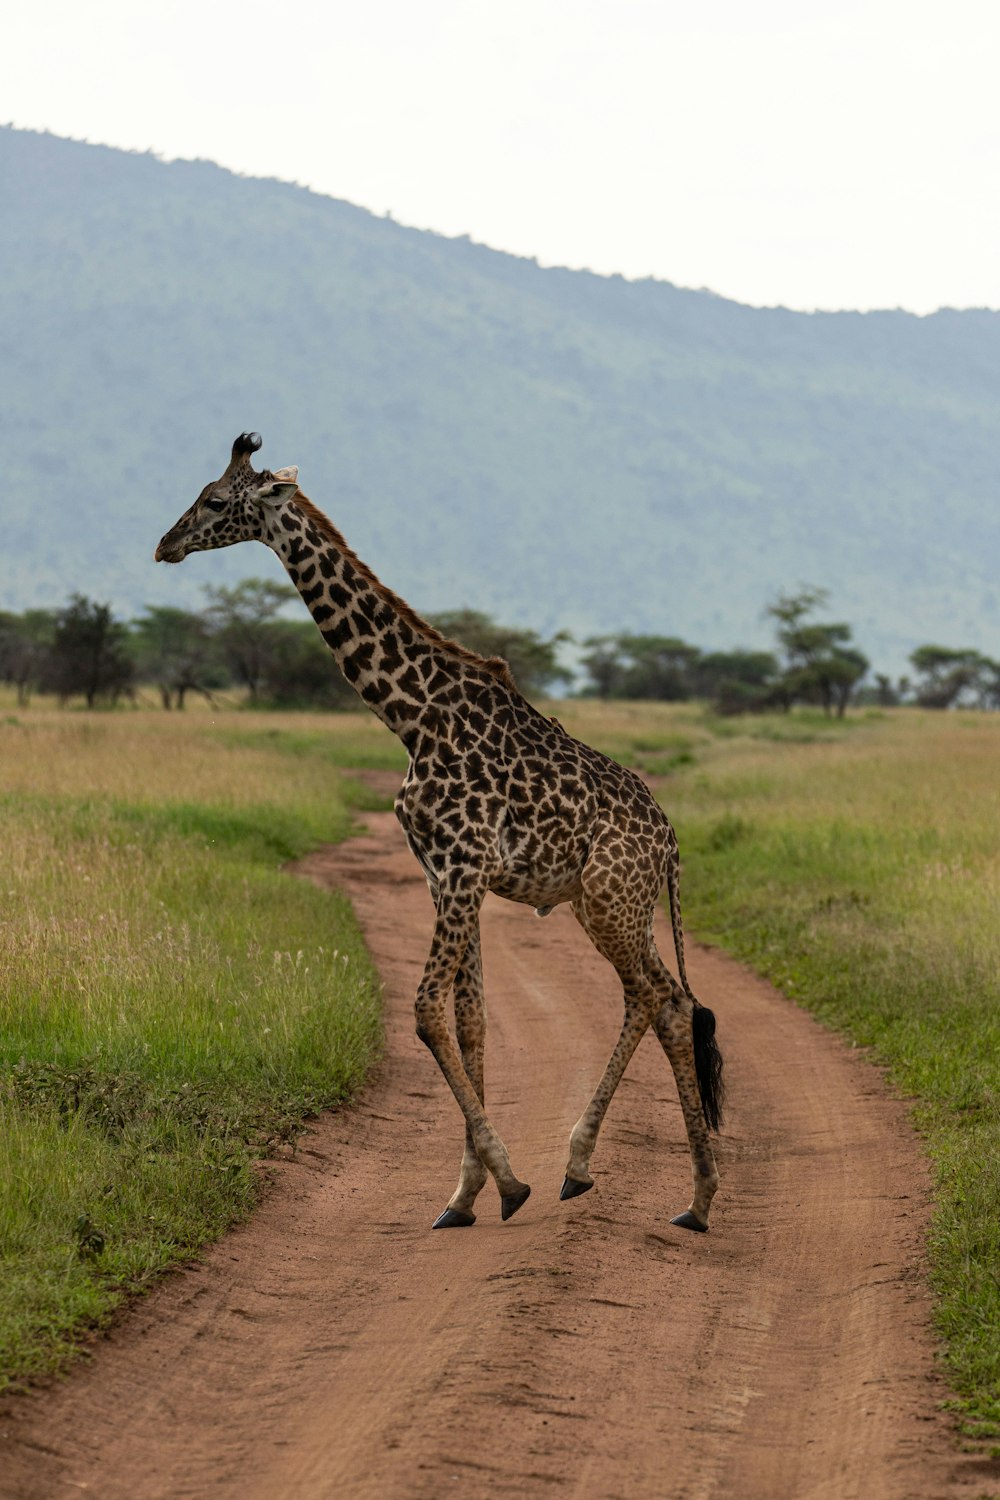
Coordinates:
276 490
292 472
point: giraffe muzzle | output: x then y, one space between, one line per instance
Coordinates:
169 550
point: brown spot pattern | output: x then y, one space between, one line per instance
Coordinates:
497 797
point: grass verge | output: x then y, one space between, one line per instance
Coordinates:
173 1005
861 873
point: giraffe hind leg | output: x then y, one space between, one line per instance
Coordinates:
614 925
583 1137
675 1025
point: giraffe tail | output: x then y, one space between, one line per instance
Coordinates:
707 1057
708 1065
674 897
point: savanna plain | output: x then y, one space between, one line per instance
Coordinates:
174 1006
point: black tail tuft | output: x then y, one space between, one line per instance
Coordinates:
708 1065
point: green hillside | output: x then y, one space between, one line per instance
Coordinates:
551 446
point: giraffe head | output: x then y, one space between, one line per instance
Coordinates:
232 509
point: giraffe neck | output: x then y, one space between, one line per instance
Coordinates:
396 662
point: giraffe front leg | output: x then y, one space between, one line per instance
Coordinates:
455 928
583 1137
470 1028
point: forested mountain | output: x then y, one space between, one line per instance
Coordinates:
553 447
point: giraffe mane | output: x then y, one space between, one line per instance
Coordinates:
495 665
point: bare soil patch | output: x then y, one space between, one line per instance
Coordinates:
335 1346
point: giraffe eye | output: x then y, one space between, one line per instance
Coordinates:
215 504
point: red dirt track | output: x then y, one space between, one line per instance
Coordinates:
335 1347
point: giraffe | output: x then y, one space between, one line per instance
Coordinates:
496 797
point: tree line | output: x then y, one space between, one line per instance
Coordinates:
815 662
240 641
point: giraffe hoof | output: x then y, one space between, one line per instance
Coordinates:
453 1218
512 1202
572 1188
687 1220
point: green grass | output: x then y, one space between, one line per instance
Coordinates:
803 726
856 863
174 1004
349 742
861 873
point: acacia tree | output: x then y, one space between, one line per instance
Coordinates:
25 643
300 672
604 665
175 649
243 619
944 674
661 667
737 681
89 653
534 662
670 669
821 666
884 693
989 683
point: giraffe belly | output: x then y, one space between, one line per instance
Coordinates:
542 860
531 888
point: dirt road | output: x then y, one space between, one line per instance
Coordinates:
335 1347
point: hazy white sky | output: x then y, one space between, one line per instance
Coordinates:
838 154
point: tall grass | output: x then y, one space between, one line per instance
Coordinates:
858 866
172 1006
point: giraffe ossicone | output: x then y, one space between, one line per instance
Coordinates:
497 797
